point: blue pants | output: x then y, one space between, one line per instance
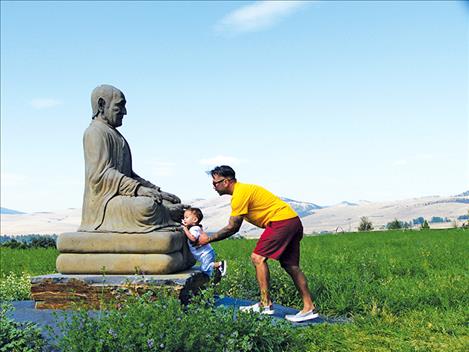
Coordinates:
207 260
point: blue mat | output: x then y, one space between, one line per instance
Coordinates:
280 312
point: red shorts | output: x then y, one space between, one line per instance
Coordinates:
281 241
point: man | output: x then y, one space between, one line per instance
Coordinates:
280 239
116 199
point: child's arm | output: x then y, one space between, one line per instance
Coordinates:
188 234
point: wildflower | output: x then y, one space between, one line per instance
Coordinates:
162 345
150 343
112 333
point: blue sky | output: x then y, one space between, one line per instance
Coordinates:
316 101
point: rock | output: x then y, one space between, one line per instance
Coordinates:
58 291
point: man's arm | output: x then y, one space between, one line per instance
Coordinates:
229 230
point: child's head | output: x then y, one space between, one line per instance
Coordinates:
193 216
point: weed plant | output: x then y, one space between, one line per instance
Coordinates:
15 287
18 337
161 323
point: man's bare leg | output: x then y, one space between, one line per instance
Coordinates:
301 284
263 277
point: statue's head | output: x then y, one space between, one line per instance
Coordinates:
108 103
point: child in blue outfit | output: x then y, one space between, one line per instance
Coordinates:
204 254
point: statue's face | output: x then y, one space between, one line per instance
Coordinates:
116 110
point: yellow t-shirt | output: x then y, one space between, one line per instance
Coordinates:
258 206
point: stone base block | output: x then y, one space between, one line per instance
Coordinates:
118 263
57 291
156 242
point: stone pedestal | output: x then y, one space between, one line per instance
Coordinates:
58 291
157 252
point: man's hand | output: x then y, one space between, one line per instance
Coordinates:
203 239
150 192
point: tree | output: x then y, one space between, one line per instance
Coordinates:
365 224
394 225
425 225
43 242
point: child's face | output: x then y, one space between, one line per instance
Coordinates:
189 219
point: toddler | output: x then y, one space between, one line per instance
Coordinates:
204 254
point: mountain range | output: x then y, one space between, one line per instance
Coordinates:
446 211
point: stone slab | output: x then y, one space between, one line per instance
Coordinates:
156 242
117 263
58 291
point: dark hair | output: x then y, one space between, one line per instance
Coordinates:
197 212
224 171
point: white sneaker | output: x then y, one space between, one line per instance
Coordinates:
300 317
222 267
257 308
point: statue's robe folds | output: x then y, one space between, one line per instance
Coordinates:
110 203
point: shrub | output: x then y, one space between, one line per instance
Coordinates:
365 224
15 287
146 324
43 242
14 244
395 225
29 241
425 225
18 337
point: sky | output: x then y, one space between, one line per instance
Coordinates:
320 101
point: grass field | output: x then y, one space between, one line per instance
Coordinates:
404 290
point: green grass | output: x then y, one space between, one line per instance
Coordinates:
37 261
404 290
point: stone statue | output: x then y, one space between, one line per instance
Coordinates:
116 199
128 224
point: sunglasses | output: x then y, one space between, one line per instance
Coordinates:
215 183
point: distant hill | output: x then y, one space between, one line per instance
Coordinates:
316 219
463 194
302 208
10 211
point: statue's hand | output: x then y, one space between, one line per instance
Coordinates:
176 211
170 197
150 192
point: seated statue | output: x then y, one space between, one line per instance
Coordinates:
116 199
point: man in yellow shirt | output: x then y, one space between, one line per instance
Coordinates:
280 239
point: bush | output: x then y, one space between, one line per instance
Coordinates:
14 287
146 324
18 337
29 241
43 242
365 224
425 225
395 225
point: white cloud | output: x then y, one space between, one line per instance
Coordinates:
257 16
221 160
44 103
